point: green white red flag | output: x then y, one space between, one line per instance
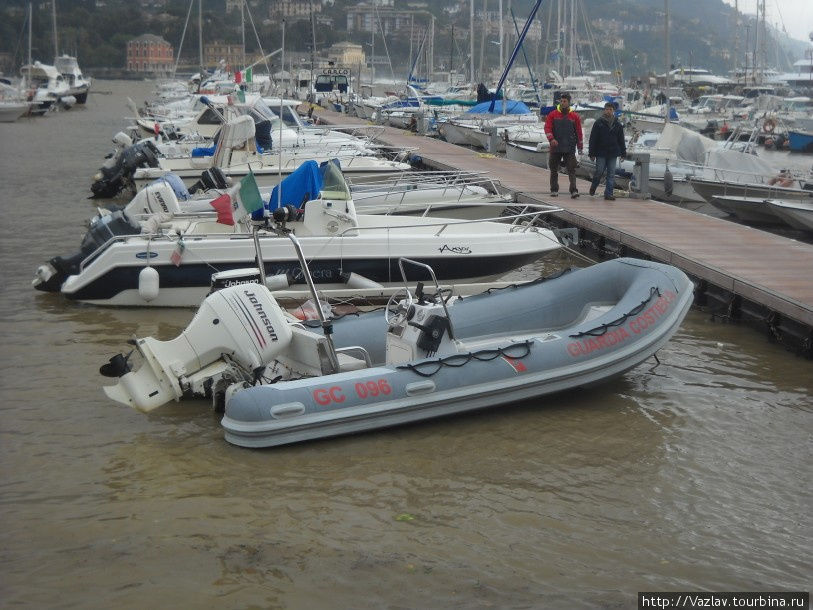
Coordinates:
239 201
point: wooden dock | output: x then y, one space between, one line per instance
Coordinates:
751 274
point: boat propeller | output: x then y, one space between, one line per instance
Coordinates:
118 365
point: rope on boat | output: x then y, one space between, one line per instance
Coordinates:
428 368
602 329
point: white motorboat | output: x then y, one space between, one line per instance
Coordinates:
424 356
47 85
532 154
798 214
78 85
748 209
168 259
237 154
10 111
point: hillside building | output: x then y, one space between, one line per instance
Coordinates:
150 53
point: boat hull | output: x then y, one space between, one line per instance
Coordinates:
526 154
748 209
708 189
798 214
799 141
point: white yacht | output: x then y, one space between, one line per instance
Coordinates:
46 86
78 85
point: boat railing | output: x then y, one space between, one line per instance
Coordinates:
520 223
431 271
450 186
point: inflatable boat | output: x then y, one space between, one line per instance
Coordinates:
425 355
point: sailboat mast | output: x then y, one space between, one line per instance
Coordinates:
559 45
53 12
243 31
757 42
668 51
736 37
572 70
482 40
471 42
763 56
28 74
200 38
313 47
502 35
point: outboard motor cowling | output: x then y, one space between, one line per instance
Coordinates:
102 229
111 179
243 324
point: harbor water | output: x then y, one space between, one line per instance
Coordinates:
694 474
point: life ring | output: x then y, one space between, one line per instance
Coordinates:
769 125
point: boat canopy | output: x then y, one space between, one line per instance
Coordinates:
511 107
687 145
301 185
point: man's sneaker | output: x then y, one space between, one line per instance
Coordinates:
609 197
554 193
592 191
574 194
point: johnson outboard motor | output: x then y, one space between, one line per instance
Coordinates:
240 325
112 179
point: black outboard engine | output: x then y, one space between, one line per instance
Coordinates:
102 228
212 178
111 180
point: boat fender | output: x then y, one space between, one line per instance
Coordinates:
148 284
431 333
668 181
354 280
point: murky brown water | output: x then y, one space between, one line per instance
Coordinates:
692 475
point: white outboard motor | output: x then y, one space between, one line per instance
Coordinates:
157 198
240 324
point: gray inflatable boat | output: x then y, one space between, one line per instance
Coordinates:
438 359
425 355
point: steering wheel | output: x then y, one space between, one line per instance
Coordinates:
398 306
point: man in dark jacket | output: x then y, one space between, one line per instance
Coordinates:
563 128
606 144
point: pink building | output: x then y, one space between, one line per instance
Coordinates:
149 53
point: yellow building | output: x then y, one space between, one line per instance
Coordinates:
346 54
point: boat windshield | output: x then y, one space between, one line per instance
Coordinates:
334 185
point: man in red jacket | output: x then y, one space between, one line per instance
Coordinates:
563 128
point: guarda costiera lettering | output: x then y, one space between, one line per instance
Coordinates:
635 325
269 328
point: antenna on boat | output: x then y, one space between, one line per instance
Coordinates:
511 59
279 144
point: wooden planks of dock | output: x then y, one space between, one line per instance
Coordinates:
767 269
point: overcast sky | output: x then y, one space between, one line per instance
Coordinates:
796 15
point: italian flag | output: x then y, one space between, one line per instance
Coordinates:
244 75
238 202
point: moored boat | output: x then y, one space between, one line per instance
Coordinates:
182 251
800 141
798 214
425 356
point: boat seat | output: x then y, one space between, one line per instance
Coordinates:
308 354
202 227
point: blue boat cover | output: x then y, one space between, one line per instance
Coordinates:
511 107
203 151
174 180
301 185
